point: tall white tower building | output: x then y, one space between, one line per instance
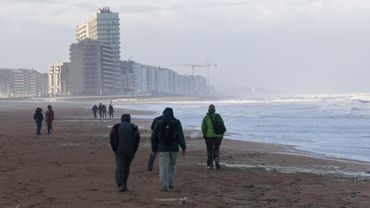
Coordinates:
104 27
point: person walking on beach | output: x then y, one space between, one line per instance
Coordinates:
213 130
124 140
104 111
38 118
95 110
100 109
110 111
166 137
49 117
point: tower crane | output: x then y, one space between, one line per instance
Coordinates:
207 66
193 66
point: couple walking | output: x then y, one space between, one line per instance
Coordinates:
167 135
49 117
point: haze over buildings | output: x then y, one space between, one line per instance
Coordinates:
286 45
95 69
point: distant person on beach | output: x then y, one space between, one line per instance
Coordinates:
104 111
166 137
153 155
213 130
49 117
100 109
110 111
124 140
38 118
95 110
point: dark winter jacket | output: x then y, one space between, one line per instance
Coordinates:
38 116
158 146
124 138
155 121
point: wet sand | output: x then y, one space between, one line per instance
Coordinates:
74 167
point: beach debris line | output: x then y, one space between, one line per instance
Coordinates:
181 201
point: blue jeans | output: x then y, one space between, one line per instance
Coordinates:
123 163
167 169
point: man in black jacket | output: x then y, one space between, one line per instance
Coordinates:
124 139
166 138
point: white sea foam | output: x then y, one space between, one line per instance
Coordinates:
334 125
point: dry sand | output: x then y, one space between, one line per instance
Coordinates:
74 167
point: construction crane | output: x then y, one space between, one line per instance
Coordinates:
193 66
209 65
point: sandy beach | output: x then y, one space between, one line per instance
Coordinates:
74 167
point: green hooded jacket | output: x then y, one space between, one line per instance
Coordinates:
207 127
179 140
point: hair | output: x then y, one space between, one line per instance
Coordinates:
49 107
211 108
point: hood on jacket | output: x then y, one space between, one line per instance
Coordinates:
211 108
125 117
168 113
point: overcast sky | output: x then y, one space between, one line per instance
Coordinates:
304 46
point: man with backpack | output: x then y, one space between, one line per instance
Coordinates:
166 137
124 140
213 130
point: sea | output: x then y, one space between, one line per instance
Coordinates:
335 126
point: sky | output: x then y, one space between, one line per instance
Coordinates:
287 46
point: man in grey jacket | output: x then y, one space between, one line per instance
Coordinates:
124 139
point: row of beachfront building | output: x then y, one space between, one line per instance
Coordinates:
95 68
135 79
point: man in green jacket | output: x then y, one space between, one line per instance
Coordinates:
166 137
212 139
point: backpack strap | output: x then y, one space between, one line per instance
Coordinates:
212 121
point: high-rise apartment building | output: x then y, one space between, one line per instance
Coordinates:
104 27
58 79
91 68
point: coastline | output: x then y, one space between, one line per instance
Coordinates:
74 168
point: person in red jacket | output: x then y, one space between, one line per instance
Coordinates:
49 117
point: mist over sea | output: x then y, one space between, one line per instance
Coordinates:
335 126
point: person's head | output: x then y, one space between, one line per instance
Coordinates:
211 108
168 112
125 117
38 109
49 107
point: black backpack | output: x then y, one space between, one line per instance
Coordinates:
218 126
167 131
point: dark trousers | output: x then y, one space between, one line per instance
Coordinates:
213 150
38 124
50 127
123 163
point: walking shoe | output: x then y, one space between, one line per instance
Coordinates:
122 188
171 187
164 190
217 166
